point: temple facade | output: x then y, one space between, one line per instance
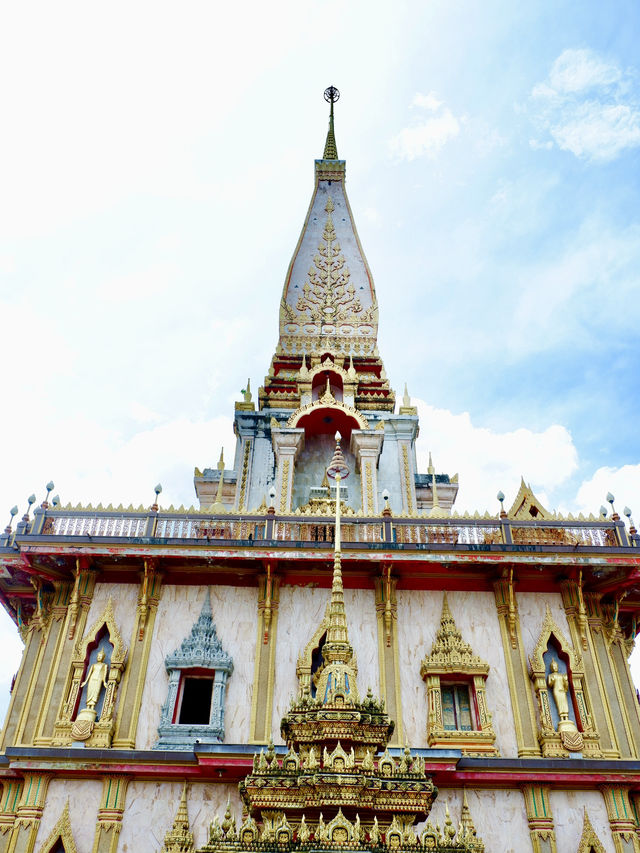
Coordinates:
321 655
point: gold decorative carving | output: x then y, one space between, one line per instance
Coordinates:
244 475
369 486
83 726
328 296
453 659
328 401
284 489
407 478
589 841
60 832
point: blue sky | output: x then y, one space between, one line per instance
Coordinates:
156 166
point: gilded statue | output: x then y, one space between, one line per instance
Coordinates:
96 679
558 683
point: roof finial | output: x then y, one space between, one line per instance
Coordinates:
338 675
331 95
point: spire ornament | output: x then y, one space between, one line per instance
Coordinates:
331 95
338 677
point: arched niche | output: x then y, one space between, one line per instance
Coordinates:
552 662
73 723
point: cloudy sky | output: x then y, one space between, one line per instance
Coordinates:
156 163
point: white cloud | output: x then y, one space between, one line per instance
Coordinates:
579 70
427 138
623 483
599 131
427 102
588 106
488 461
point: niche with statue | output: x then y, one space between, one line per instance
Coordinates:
566 725
88 711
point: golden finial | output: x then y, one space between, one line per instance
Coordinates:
331 95
431 469
179 836
406 408
247 392
218 506
351 372
338 676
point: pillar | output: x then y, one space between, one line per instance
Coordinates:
524 716
388 661
366 446
287 444
264 668
139 649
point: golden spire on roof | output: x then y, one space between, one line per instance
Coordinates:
331 95
338 677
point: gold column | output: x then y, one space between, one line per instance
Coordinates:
73 627
244 480
21 688
581 638
388 662
11 791
264 669
619 649
29 813
109 823
611 687
54 642
524 717
540 818
621 819
136 671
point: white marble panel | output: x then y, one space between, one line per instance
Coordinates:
532 609
475 613
151 808
499 817
84 801
234 613
568 814
124 598
301 611
418 619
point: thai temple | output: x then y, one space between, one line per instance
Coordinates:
322 654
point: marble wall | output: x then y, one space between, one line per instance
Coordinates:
499 816
151 808
234 613
301 611
84 800
568 815
475 613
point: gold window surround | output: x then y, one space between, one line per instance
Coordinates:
453 663
558 743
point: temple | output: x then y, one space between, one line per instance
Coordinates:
322 655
